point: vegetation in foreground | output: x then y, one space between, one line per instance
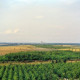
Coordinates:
51 71
56 69
56 56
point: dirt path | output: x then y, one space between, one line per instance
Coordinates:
72 61
35 62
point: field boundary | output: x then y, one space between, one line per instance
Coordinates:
34 62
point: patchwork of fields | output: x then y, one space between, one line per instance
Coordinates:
40 62
12 49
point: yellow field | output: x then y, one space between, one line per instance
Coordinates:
76 50
12 49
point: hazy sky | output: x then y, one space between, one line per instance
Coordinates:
40 20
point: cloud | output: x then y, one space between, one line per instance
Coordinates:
47 1
16 31
68 2
8 32
11 31
39 17
28 1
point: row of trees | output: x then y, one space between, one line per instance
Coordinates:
41 72
56 56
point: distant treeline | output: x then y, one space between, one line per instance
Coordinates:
55 56
38 44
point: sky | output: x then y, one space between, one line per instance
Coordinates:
50 21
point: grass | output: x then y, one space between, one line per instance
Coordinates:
73 49
54 46
61 47
67 70
12 49
35 62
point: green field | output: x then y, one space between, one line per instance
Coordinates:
59 71
55 56
41 65
54 46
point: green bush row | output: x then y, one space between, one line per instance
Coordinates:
59 56
59 71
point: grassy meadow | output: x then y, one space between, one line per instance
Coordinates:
12 49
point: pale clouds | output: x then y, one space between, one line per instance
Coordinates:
68 2
16 31
11 31
25 1
39 17
40 20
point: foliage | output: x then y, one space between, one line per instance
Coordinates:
56 56
52 46
50 71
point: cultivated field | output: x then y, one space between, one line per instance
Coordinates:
61 47
40 62
58 71
12 49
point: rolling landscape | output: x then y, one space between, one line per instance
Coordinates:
40 62
39 39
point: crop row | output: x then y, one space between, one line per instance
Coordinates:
58 56
41 72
